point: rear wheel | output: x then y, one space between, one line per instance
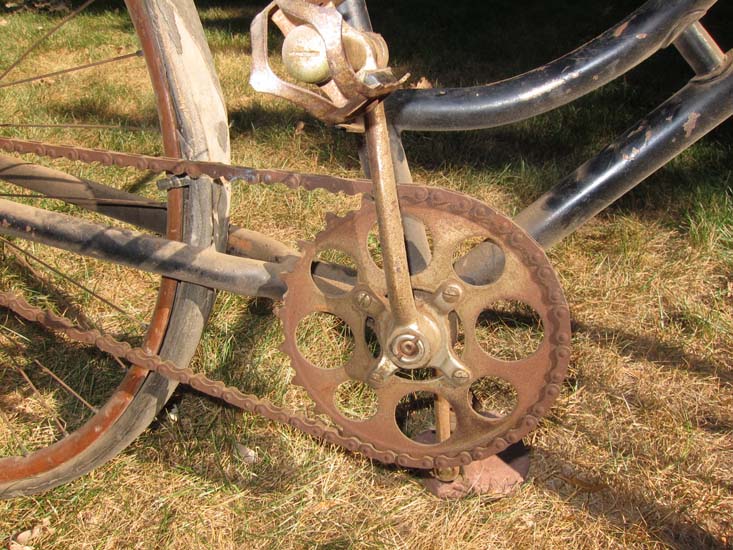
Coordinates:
61 416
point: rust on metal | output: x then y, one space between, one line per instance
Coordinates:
349 66
528 277
546 368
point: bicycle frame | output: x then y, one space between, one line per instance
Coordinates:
674 126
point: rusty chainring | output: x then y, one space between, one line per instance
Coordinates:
528 277
452 219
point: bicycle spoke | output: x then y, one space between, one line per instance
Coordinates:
72 281
41 397
142 203
81 126
66 386
120 363
50 33
138 53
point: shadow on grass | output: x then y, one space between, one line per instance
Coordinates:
626 508
648 348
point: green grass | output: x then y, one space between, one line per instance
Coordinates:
636 453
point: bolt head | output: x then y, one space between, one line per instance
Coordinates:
304 55
452 293
461 375
363 300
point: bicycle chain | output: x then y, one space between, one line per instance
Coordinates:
191 168
251 403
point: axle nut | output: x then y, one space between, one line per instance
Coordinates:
408 349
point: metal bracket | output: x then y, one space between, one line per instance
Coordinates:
357 71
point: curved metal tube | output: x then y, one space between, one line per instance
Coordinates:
654 25
679 122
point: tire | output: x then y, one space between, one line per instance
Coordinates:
193 123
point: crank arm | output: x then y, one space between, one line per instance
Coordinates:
389 219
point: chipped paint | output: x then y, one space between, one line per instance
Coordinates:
634 153
691 124
621 30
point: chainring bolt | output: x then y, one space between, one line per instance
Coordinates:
452 293
363 300
461 375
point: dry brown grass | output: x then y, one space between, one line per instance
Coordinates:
637 453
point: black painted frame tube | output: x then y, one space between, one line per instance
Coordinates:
705 103
653 26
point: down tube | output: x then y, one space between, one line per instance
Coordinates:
647 146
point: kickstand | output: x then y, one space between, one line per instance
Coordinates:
496 476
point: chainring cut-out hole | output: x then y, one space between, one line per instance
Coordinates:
417 261
334 272
493 397
478 261
355 400
509 330
415 416
324 340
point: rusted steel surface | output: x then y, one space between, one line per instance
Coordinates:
356 72
178 166
84 438
389 220
528 277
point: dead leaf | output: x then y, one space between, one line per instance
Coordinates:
245 454
3 22
24 537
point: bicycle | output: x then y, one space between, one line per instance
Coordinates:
403 324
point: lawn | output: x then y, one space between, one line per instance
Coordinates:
636 453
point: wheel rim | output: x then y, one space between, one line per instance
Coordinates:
14 468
